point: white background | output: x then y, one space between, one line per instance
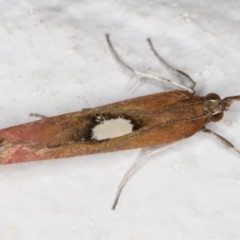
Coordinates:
54 59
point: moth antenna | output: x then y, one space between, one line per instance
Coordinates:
136 166
142 74
179 73
37 115
222 139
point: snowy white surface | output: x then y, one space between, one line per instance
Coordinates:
54 59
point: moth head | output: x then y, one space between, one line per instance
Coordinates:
217 106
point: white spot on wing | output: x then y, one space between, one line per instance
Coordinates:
112 128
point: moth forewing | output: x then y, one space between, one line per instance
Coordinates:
145 121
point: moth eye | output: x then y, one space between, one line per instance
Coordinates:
217 117
212 96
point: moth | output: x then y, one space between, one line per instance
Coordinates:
148 121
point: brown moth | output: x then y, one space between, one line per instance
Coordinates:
141 122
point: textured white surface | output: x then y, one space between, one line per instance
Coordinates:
54 59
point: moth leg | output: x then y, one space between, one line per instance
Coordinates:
179 73
222 139
37 115
145 75
148 152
